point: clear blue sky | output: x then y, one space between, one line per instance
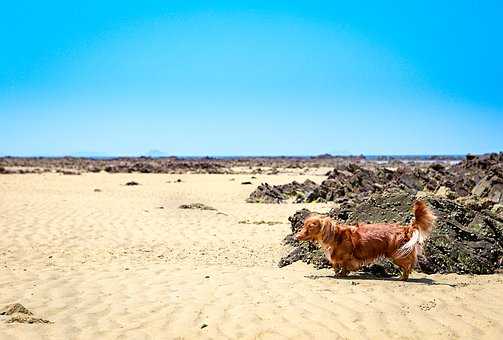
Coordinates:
250 78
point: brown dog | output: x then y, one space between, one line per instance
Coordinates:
350 247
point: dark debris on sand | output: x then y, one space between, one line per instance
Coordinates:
198 206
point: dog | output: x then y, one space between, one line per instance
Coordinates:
350 247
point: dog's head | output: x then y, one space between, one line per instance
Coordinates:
312 229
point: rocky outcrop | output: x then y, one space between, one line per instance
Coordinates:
490 187
175 165
266 193
170 165
477 178
464 240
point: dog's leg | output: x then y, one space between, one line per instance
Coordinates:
405 265
405 275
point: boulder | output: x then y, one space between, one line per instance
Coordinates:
266 193
490 187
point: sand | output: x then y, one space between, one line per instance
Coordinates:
126 262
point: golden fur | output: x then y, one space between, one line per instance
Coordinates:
350 247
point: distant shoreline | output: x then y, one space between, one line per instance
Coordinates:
292 157
217 165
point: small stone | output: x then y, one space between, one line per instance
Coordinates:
497 209
445 192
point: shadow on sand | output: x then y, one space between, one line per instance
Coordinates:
367 277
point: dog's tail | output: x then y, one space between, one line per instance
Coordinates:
423 223
423 219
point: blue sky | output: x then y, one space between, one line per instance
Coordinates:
251 78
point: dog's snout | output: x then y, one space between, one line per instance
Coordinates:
299 236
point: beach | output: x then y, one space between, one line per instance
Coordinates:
100 259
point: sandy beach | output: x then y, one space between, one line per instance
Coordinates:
102 260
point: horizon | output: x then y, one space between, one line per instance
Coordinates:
251 78
102 156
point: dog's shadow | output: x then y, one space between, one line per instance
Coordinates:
367 277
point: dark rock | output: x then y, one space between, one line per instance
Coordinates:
464 241
480 176
267 193
490 187
132 183
305 251
381 269
198 206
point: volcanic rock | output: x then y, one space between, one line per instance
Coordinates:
266 193
477 176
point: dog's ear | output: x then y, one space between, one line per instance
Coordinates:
328 229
